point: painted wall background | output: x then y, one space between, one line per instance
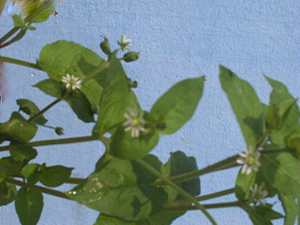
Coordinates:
177 39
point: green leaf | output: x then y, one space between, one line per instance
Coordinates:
22 152
113 190
293 142
180 163
31 172
81 106
262 215
281 171
17 129
281 97
7 193
124 146
145 180
244 183
116 99
31 109
9 167
29 206
291 208
163 217
245 104
64 57
55 176
178 104
51 87
108 220
77 101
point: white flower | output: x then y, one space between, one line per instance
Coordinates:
124 42
71 82
258 193
134 123
249 161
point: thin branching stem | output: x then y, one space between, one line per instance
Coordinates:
44 110
19 62
61 141
9 34
39 188
182 192
216 194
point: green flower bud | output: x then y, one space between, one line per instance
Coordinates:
105 46
59 131
131 56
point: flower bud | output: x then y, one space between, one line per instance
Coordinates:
131 56
59 131
105 46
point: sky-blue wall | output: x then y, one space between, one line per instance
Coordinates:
177 39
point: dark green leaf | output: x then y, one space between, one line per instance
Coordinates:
17 129
178 104
164 217
31 109
113 189
180 163
9 167
262 215
22 152
29 206
77 101
7 193
245 104
54 176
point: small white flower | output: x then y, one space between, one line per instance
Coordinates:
249 161
258 193
71 82
134 123
124 42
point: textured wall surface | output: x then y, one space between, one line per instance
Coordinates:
177 39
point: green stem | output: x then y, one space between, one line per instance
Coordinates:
60 141
19 62
182 192
216 194
207 206
221 165
14 39
39 188
44 110
9 34
75 180
227 163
